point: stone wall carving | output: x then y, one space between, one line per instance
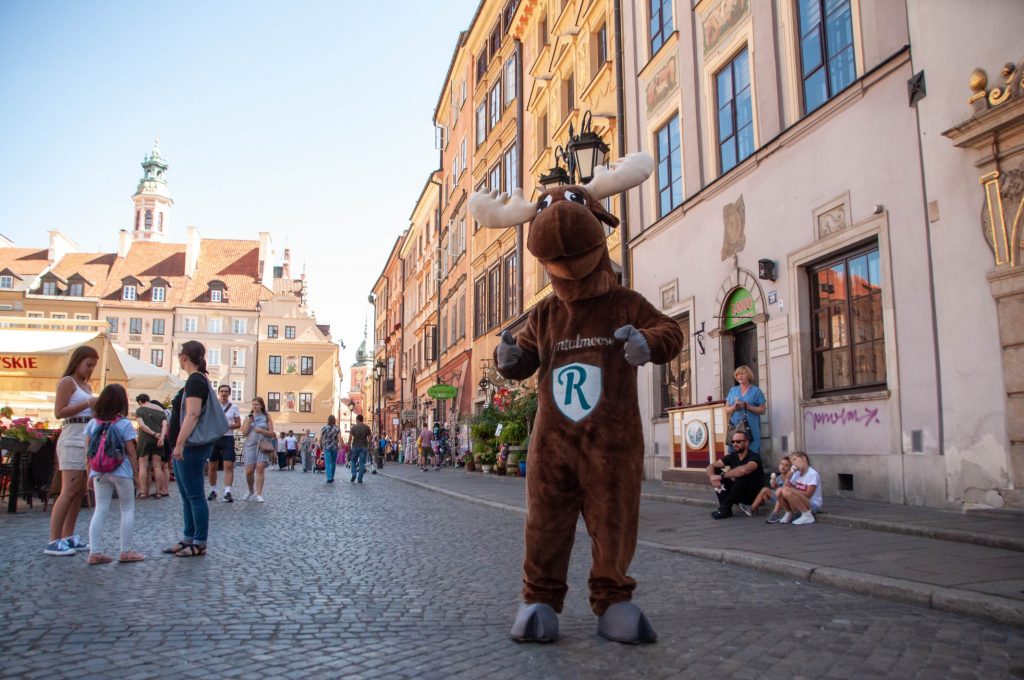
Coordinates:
734 238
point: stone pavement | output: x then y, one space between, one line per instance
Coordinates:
385 580
940 559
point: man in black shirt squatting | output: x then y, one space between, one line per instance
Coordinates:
737 477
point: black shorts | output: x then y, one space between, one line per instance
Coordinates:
223 450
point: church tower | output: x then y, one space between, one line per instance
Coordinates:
152 199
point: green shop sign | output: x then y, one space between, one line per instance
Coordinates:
739 309
442 392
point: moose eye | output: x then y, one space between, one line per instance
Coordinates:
575 198
543 203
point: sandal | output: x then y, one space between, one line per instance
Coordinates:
141 495
176 548
131 556
99 558
191 550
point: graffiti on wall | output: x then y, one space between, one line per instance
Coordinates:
865 417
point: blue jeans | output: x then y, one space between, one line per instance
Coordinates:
358 463
330 462
189 474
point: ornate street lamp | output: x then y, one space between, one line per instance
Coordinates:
584 152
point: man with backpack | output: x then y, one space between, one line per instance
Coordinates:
224 448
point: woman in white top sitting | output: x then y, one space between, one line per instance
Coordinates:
73 405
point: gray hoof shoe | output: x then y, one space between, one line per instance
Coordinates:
624 622
535 623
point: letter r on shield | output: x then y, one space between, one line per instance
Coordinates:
577 390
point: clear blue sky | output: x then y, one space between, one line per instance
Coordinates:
311 120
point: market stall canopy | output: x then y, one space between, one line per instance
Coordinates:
143 377
33 360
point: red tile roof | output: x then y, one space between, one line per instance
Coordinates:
233 262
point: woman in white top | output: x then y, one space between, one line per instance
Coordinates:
73 404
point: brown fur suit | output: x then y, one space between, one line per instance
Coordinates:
586 453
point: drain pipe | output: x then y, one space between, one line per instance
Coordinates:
620 112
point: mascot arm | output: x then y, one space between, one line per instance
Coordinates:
662 333
517 358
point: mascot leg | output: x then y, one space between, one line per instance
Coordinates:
611 509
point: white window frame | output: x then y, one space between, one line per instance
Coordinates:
76 289
239 326
163 331
237 388
216 295
128 293
189 324
215 324
6 281
238 357
213 356
49 288
82 317
159 294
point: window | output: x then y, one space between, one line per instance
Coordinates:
134 352
676 375
149 219
138 217
50 288
826 49
159 294
542 31
481 65
236 390
128 293
507 15
76 289
271 331
600 47
510 79
495 99
511 169
112 324
216 295
481 123
238 357
82 317
6 281
511 289
670 179
462 315
306 365
156 357
273 401
158 326
846 322
274 365
542 133
661 23
444 327
305 402
289 332
213 356
462 154
494 178
735 115
160 225
568 95
238 326
494 296
479 307
215 324
494 42
135 326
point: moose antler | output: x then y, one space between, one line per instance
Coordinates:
625 173
492 209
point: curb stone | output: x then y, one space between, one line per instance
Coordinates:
952 600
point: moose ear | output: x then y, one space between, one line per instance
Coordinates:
603 215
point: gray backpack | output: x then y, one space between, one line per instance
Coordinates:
212 423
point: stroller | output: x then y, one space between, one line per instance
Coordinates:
318 462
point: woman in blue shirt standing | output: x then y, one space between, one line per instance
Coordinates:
746 401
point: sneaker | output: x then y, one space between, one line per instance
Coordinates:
259 499
773 518
722 514
330 481
786 519
212 496
228 498
58 547
747 510
359 481
354 478
804 518
77 543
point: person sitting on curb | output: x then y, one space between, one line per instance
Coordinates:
740 480
800 498
769 493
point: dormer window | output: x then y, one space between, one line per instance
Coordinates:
159 294
76 289
6 281
216 295
49 287
128 293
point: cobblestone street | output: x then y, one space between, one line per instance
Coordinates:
387 580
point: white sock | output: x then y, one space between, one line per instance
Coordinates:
227 489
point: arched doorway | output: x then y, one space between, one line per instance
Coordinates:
739 335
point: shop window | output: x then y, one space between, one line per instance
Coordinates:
676 376
848 335
826 49
735 112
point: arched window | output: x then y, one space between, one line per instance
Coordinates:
160 223
149 219
137 216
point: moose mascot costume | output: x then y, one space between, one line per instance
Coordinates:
586 453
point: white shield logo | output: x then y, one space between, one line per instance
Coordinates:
577 389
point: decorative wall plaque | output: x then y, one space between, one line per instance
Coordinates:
720 21
734 238
662 84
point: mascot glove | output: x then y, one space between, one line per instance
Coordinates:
509 353
638 352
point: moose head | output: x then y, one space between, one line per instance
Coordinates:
565 223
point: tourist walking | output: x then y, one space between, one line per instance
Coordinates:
306 450
188 408
73 404
282 451
291 445
426 449
152 454
329 445
359 444
224 448
258 430
111 430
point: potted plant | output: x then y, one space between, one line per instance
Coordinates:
470 464
486 459
20 434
